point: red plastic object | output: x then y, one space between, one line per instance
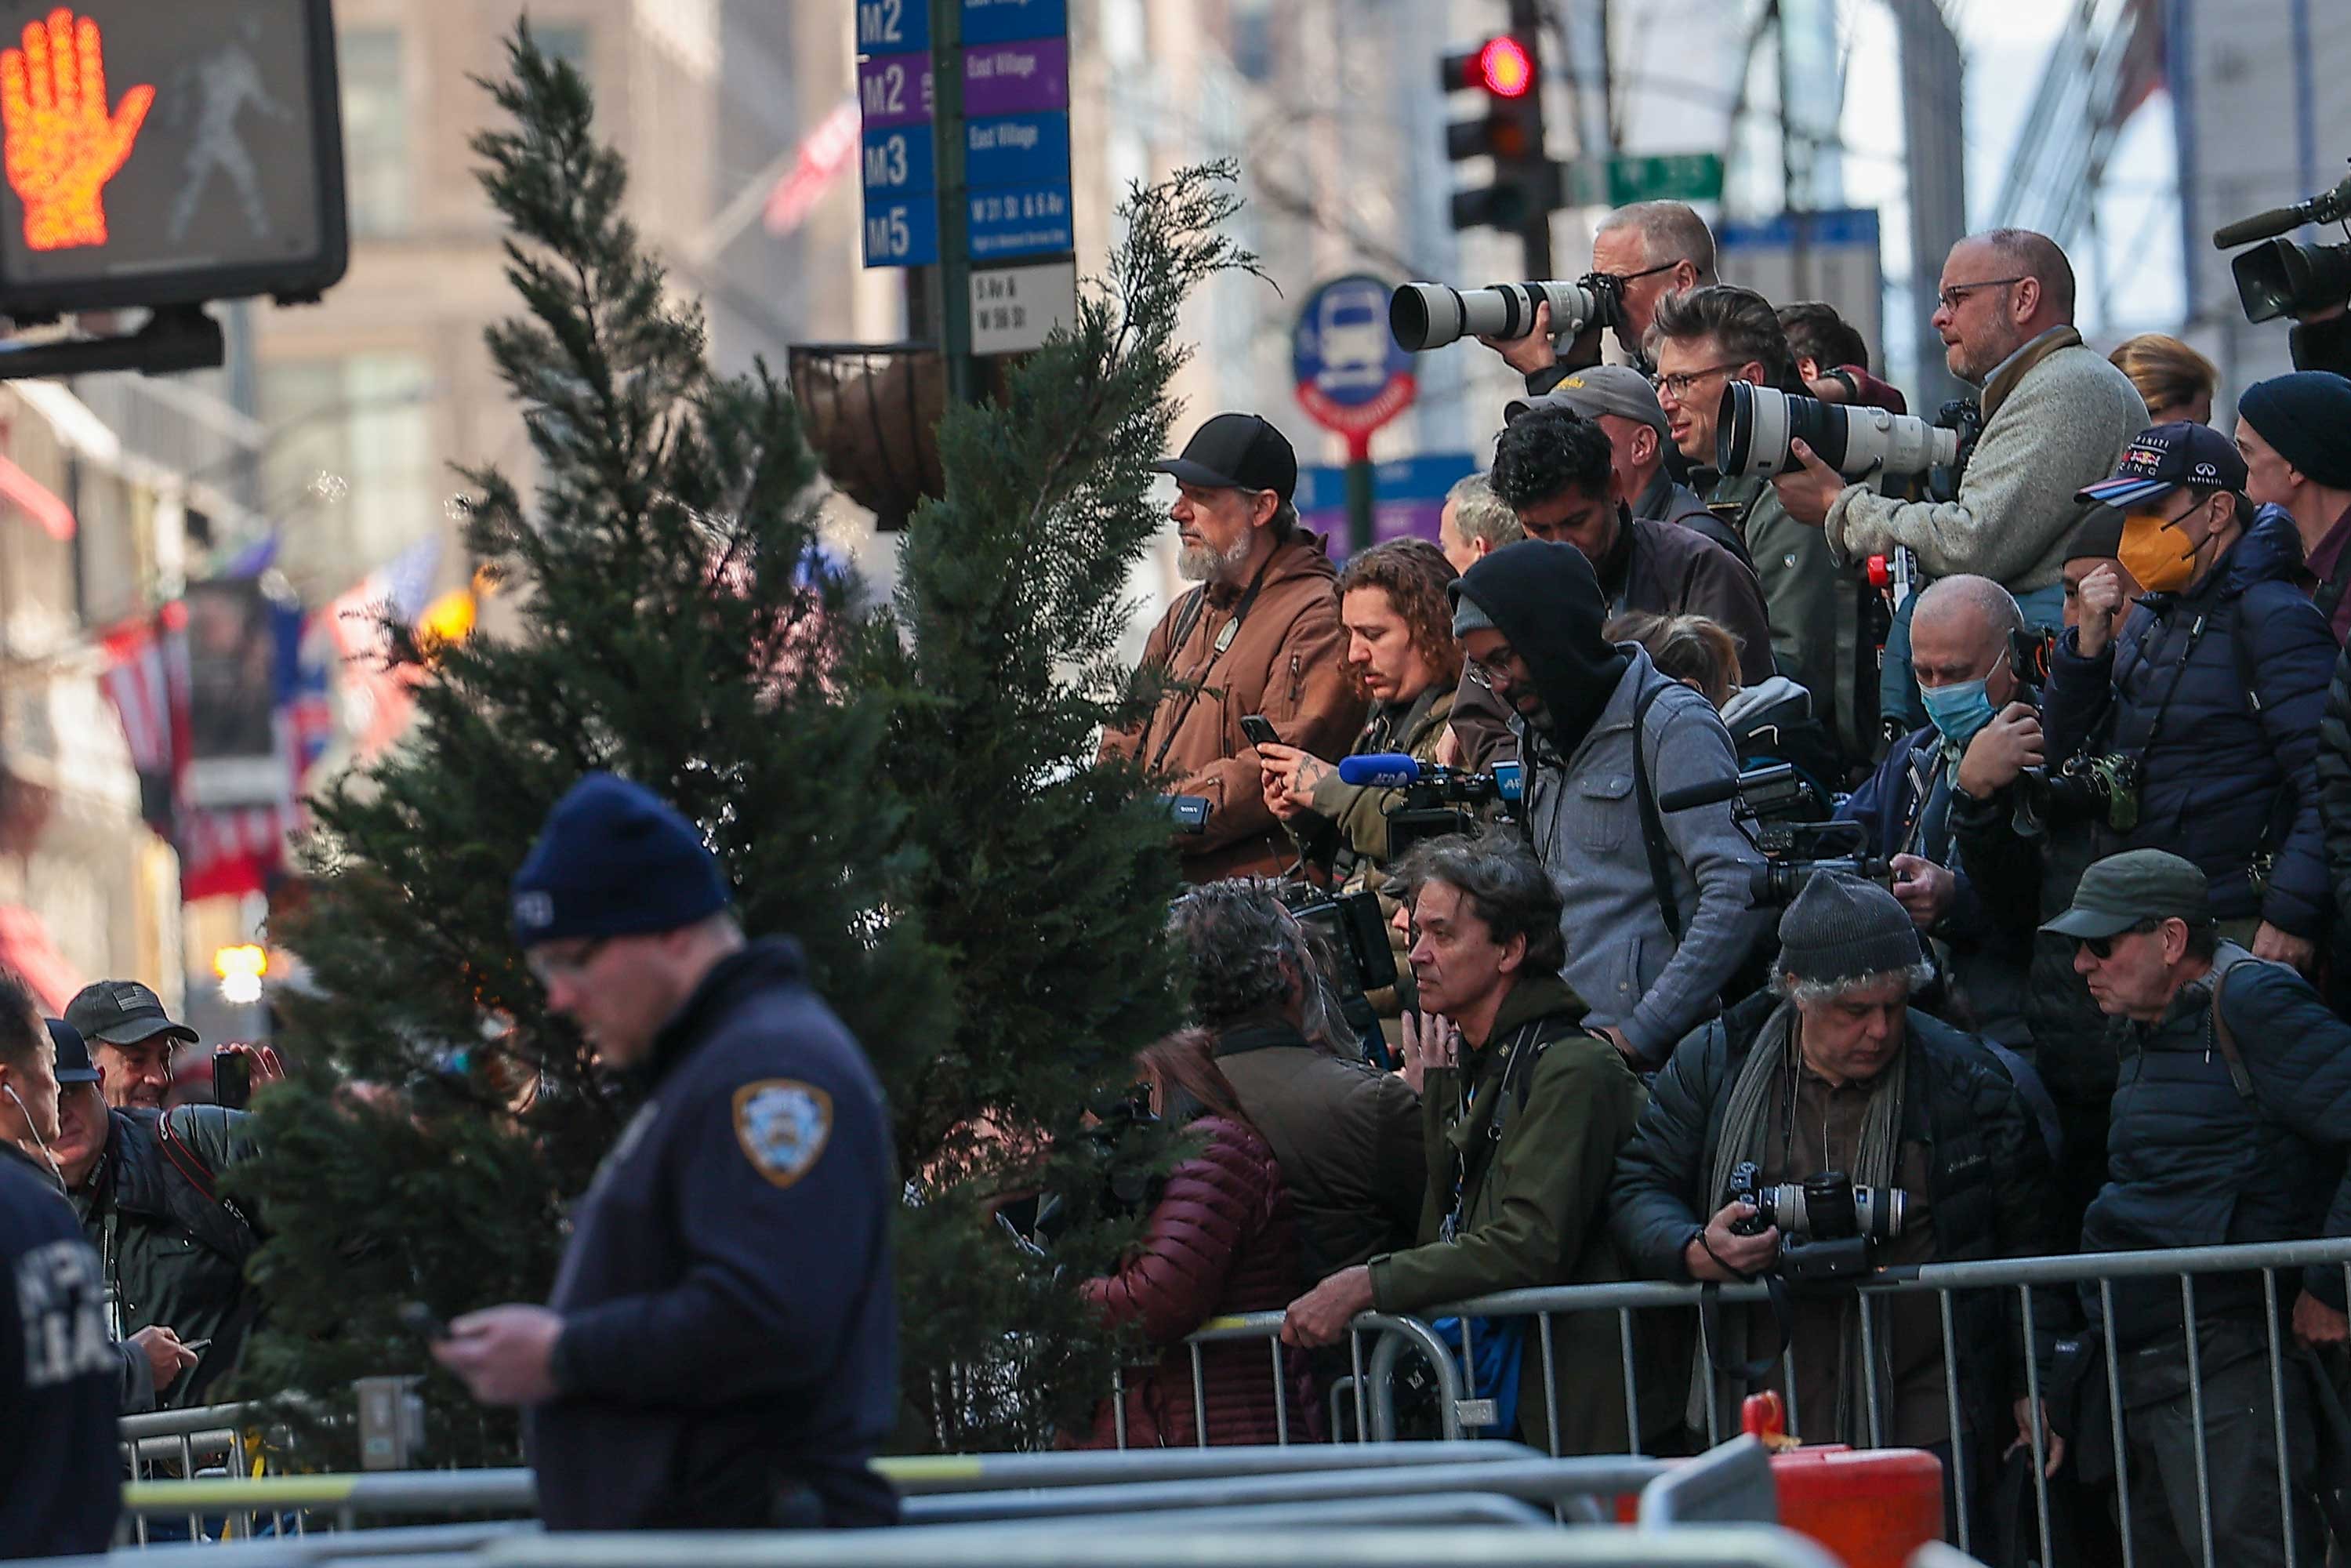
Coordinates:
1869 1508
1881 574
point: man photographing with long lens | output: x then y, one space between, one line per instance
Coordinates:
2056 416
1642 253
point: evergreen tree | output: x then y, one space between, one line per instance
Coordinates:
1047 879
907 789
678 628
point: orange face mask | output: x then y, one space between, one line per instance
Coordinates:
2159 553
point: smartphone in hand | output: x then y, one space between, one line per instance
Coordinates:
1260 730
233 1077
423 1322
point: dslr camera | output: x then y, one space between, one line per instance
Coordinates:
2095 787
1829 1228
1756 422
1425 315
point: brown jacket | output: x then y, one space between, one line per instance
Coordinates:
1288 662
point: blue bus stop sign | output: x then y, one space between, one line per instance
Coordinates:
1352 375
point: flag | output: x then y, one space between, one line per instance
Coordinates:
239 850
379 692
825 154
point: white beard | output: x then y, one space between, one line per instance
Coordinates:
1205 563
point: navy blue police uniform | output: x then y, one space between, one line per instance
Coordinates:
728 1356
60 1473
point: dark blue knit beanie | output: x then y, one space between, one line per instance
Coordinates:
615 859
2307 417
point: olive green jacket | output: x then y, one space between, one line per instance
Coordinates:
173 1254
1800 582
1532 1215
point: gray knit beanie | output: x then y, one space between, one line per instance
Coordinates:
1843 928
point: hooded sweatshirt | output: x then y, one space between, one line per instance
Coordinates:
1582 810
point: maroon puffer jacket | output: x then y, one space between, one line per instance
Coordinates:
1220 1240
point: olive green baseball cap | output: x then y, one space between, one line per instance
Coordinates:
2118 891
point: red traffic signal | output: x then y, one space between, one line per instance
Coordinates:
1505 68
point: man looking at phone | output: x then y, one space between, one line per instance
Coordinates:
145 1184
721 1348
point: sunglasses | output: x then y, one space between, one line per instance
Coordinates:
2103 948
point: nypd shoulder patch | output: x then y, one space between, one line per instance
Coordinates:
782 1124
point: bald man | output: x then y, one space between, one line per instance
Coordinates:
1981 734
2056 418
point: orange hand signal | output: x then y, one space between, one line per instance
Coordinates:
61 145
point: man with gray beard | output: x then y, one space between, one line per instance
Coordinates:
1260 636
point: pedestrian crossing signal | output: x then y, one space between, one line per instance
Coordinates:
166 155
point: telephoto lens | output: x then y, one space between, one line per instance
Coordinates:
1756 423
1430 314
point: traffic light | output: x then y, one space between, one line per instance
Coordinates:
1506 72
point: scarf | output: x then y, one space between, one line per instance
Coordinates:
1746 1119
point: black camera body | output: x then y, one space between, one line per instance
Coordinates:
2101 786
1829 1228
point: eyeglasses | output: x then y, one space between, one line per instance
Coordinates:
1681 382
1621 278
1954 296
549 967
2103 948
1505 664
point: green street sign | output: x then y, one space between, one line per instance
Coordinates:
1665 176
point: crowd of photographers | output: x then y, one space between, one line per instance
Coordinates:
1773 837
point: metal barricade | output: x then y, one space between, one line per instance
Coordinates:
1553 1482
1698 1546
2264 1369
1373 1383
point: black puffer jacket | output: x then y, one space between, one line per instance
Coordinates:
1987 1161
2334 766
2193 1162
2236 668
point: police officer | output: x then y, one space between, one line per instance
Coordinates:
721 1348
60 1490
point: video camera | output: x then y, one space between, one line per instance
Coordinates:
1435 799
1425 315
2091 786
2279 278
1770 806
1829 1228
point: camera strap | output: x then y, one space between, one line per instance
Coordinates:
1652 826
1754 1369
1469 1167
1185 624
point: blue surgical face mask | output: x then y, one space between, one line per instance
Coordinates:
1960 710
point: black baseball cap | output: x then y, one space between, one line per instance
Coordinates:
2167 457
73 1053
1236 452
122 1012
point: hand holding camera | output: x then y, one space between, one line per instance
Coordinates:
2001 752
1727 1250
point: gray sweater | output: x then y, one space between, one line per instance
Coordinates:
1586 821
2063 426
